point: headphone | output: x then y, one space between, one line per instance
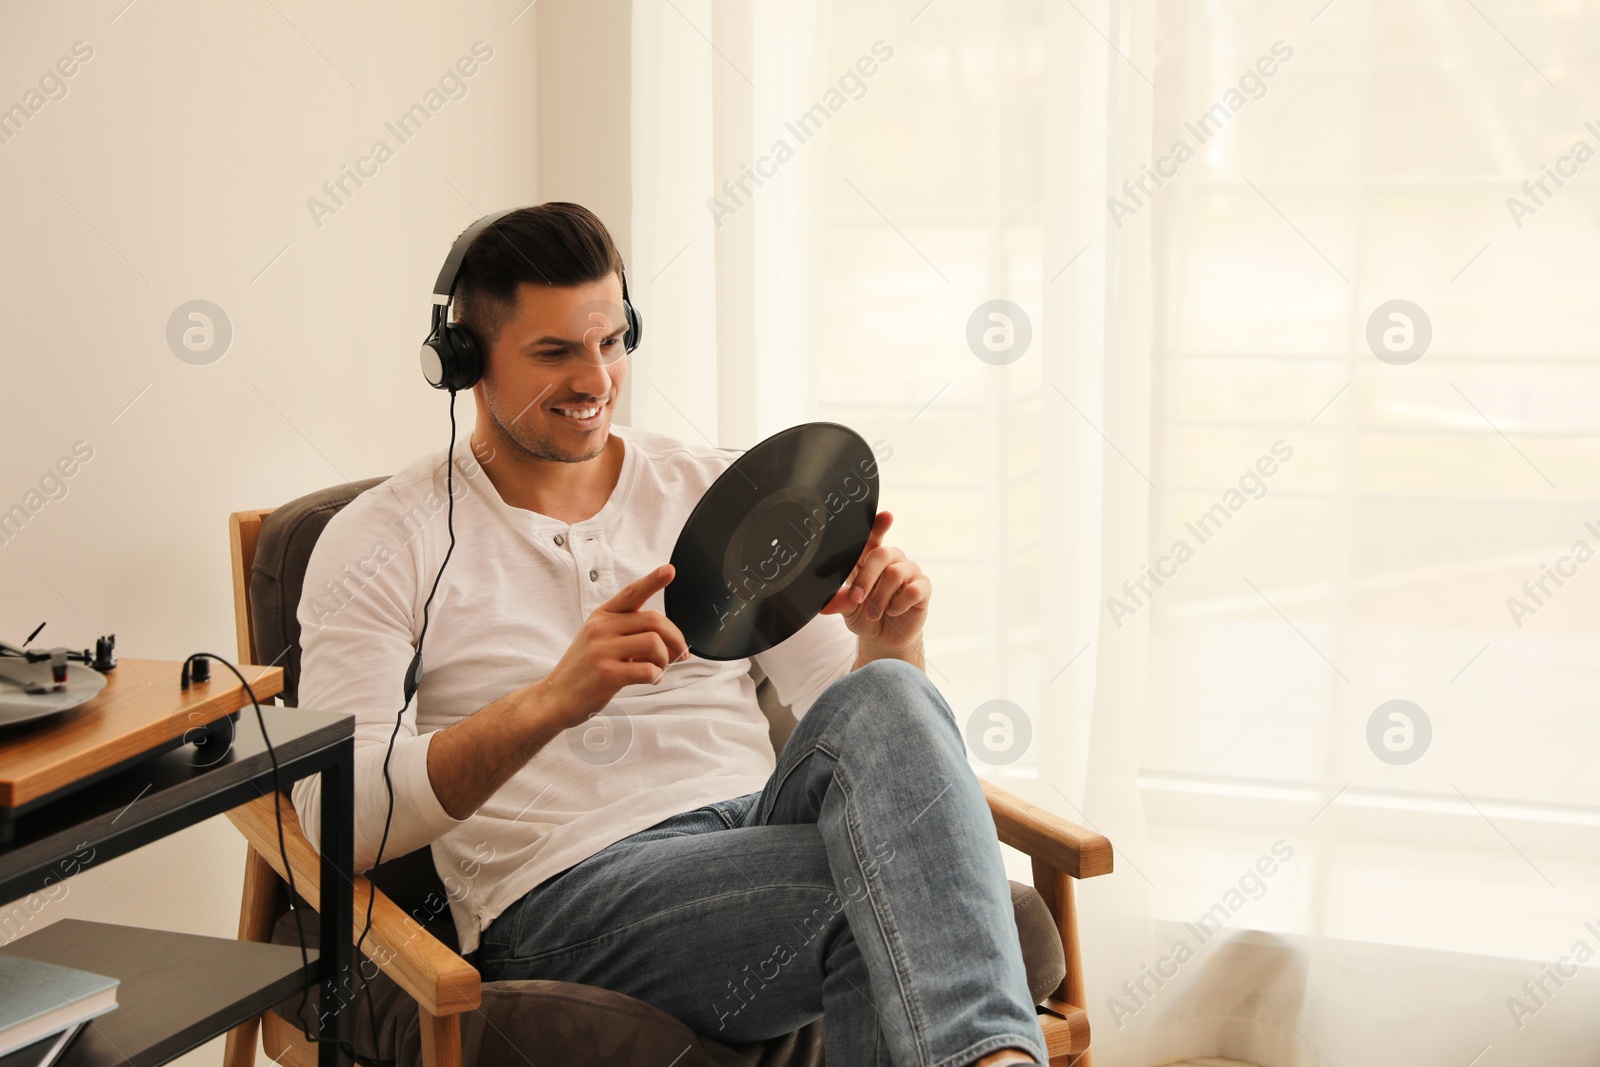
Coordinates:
452 356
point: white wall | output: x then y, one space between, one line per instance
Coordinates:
177 166
585 80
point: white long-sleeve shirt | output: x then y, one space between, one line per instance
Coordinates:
517 588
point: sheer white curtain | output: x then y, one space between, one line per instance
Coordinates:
725 273
829 196
1375 358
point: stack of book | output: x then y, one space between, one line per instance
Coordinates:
43 1006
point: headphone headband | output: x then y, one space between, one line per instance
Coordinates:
444 288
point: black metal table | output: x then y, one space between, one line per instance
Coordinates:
158 797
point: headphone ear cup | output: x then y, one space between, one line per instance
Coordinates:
435 359
635 333
467 355
451 358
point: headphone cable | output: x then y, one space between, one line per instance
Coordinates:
283 851
413 677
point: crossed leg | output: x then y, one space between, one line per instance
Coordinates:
863 883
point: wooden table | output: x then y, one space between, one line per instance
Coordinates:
179 990
141 711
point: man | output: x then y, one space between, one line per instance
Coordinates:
602 806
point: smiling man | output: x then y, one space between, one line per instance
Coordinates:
604 807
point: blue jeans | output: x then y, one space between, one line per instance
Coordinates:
863 884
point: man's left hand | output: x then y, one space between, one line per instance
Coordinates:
885 600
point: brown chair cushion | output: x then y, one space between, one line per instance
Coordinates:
563 1022
282 551
546 1023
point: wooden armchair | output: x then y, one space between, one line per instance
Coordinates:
442 984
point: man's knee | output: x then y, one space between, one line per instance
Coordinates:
887 688
895 674
890 668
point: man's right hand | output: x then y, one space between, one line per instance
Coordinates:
620 643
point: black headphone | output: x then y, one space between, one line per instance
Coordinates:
452 356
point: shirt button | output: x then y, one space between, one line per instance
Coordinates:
560 540
594 576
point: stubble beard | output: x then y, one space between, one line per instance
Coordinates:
534 445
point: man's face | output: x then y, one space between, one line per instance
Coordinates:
559 355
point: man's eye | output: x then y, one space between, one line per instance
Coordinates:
612 341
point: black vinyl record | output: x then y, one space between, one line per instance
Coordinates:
772 540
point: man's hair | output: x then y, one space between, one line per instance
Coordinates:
556 244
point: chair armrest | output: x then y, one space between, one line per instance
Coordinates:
440 981
1046 836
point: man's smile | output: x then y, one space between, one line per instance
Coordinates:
581 416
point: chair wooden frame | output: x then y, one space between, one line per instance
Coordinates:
444 985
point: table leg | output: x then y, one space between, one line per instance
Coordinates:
337 908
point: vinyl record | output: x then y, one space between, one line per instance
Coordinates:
27 691
772 540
